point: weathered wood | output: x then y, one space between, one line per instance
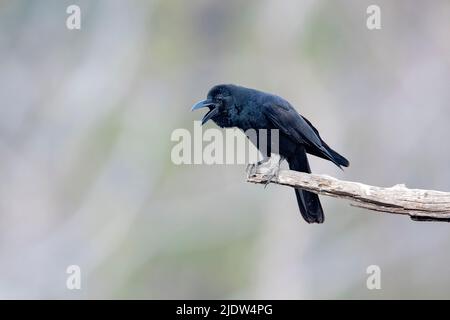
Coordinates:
420 205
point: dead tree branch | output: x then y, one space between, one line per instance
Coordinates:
420 205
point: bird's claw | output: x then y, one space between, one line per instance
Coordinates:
266 168
250 169
271 176
270 179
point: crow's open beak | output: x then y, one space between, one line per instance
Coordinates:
213 109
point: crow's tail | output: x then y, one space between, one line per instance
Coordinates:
308 202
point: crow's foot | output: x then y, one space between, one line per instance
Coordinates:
268 167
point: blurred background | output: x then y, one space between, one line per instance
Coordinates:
87 179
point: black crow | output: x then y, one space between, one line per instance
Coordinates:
244 108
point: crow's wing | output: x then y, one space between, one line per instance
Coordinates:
285 118
336 156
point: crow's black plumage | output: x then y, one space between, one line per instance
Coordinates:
236 106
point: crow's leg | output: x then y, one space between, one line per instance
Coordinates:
251 167
269 167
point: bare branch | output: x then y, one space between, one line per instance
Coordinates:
420 205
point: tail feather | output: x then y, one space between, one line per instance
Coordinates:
310 206
338 158
326 153
329 154
308 202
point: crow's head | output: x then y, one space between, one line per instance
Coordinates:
221 104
